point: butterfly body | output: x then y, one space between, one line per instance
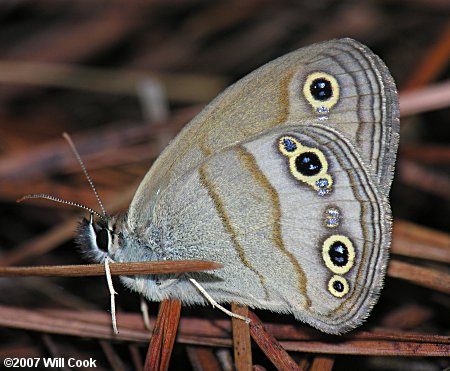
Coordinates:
283 179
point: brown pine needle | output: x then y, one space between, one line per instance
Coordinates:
241 339
164 267
163 337
270 346
423 276
204 332
170 332
322 363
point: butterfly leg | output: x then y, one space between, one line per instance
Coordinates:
112 293
216 304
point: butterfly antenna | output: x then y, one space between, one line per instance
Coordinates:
86 174
60 200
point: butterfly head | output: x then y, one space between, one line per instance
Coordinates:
98 239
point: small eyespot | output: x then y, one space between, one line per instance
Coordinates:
102 239
321 90
338 286
338 253
308 164
332 217
287 145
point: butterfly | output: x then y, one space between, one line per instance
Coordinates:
284 179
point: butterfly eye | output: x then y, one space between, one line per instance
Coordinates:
321 90
338 286
338 253
103 239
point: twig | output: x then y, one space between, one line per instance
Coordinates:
420 234
270 346
196 331
428 98
113 358
425 179
162 267
163 337
241 339
369 348
170 332
111 81
136 357
434 61
153 358
412 240
322 363
427 277
203 358
429 154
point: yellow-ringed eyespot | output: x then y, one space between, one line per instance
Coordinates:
338 286
321 90
338 253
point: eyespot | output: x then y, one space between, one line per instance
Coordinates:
321 90
332 217
338 253
288 144
103 239
308 165
338 286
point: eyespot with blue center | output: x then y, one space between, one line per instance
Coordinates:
321 91
338 253
308 165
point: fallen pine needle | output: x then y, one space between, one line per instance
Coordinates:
84 270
